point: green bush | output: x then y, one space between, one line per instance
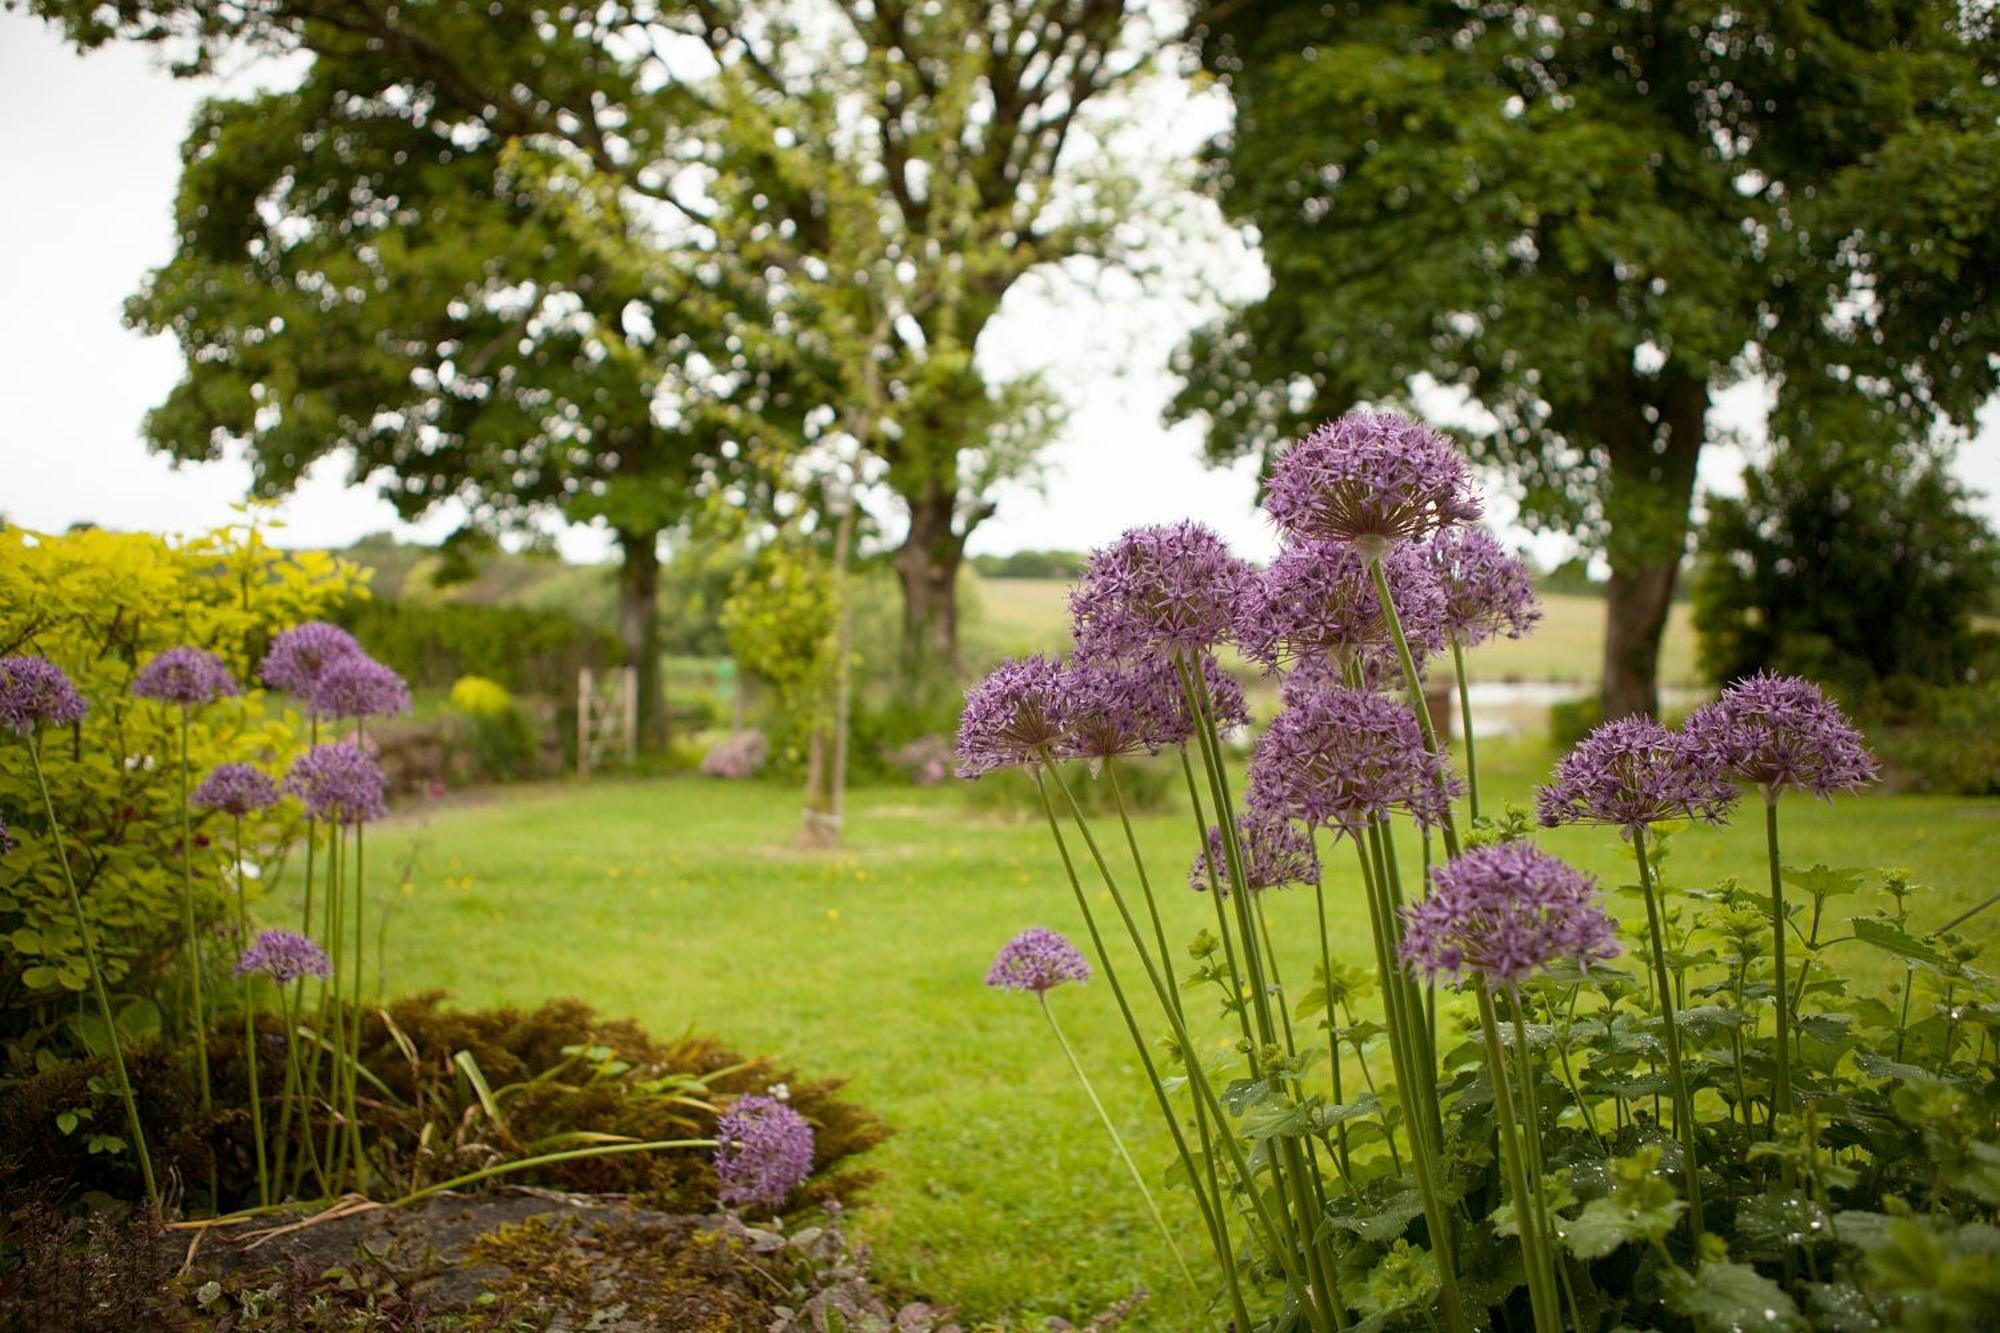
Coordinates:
1949 742
1148 785
433 644
498 734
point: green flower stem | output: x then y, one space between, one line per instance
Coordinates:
1782 1093
1213 1215
250 1030
1118 1141
354 1041
1145 882
1422 1153
1238 1001
333 1153
104 1011
193 936
1413 683
1283 1241
1332 1033
1548 1311
1531 1120
547 1159
1419 1016
1663 985
1465 725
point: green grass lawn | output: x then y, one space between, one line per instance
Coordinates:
687 903
1032 615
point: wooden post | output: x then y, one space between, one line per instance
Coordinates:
585 688
631 715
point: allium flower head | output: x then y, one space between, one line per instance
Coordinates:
1376 479
284 956
1176 721
1156 592
1632 772
1107 709
338 783
1342 757
299 654
1037 960
186 676
34 690
1505 912
1011 716
1317 603
358 686
236 789
764 1151
1486 591
1780 732
1276 853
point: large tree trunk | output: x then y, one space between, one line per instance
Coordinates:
928 564
1651 492
639 629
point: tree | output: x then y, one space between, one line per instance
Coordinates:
366 262
1847 558
1585 218
846 189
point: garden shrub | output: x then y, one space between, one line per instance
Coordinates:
498 733
433 644
741 756
1148 785
100 605
1948 740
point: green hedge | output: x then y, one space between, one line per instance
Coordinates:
435 643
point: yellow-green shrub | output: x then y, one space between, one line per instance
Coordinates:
100 605
476 696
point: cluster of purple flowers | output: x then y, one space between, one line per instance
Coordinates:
1318 603
325 667
1485 590
284 956
236 789
1778 733
764 1151
1159 592
34 691
1370 479
1631 773
1275 853
1343 758
339 783
301 653
187 676
1506 912
1036 961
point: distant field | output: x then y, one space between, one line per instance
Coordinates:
1027 615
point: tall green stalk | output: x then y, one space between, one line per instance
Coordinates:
1413 683
193 935
1782 1101
1118 1141
250 1031
1465 725
104 1012
1546 1304
1531 1122
1664 987
354 1042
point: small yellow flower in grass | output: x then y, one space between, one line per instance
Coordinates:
833 914
653 892
613 871
408 888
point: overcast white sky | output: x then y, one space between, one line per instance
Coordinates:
89 153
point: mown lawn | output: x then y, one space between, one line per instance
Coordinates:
687 903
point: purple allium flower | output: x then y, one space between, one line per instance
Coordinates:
34 690
338 783
1486 590
1011 717
1225 697
236 789
1371 478
358 686
299 654
1158 591
1632 772
1506 911
186 676
1037 960
1276 853
1780 731
284 956
1342 757
1106 709
764 1151
6 837
1317 602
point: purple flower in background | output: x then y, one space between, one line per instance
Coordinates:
764 1151
1175 722
1317 603
1011 717
1108 709
1158 591
299 655
1779 732
1344 757
338 783
1276 853
1486 591
284 956
236 789
358 686
1374 479
34 690
1632 772
189 677
1505 912
1037 961
6 837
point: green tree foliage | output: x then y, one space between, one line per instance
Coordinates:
1030 565
1847 563
1585 218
